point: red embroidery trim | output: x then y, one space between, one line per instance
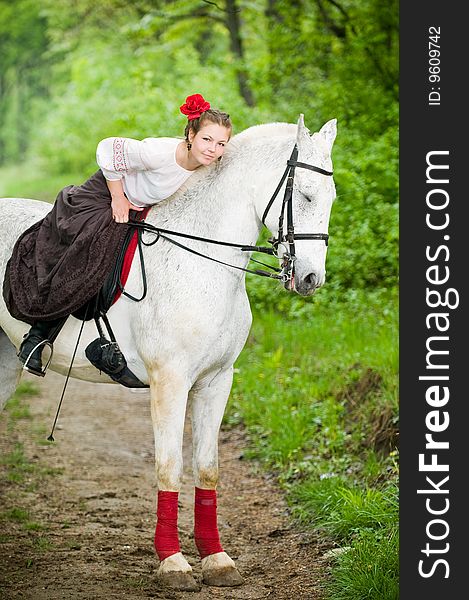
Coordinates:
118 156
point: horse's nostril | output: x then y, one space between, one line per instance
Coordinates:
311 280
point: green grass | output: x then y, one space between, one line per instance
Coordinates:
22 516
309 387
42 543
318 396
342 510
19 468
17 465
138 583
21 473
369 569
17 514
19 182
17 407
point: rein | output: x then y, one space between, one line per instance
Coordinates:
161 233
285 273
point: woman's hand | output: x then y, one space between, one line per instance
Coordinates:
120 209
120 205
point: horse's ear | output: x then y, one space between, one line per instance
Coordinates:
328 132
303 132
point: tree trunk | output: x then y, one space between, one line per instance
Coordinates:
233 23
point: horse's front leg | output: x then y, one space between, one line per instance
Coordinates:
208 405
169 392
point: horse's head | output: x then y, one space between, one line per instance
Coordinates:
311 202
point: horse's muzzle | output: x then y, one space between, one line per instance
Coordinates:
305 286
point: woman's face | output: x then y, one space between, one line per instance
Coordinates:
208 144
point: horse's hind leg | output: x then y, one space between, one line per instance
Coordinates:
169 393
208 406
10 368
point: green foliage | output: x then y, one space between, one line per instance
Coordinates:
128 74
23 70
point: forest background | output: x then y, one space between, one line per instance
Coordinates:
73 73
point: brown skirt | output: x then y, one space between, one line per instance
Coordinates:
62 261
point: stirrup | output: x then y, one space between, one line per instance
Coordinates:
42 372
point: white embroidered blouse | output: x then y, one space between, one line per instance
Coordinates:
148 168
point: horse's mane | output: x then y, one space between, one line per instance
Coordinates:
266 130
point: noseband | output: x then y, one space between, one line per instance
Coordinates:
285 273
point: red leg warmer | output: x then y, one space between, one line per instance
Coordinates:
206 534
166 533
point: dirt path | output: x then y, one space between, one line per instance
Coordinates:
86 532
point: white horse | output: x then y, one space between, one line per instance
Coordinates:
185 336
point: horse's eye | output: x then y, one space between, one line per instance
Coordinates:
305 197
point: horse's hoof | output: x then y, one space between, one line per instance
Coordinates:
224 577
177 580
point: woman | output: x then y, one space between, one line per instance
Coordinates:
63 260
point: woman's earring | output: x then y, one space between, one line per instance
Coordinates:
189 146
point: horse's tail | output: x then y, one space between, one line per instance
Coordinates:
10 371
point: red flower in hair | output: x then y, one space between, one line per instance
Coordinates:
194 106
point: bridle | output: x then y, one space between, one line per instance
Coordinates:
290 237
285 273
